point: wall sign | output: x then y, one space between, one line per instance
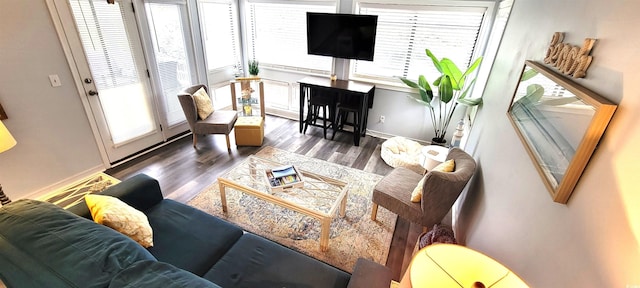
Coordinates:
568 59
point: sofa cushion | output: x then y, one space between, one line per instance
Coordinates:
62 249
189 238
257 262
157 274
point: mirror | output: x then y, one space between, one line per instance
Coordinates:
560 124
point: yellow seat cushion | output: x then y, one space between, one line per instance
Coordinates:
204 105
446 166
114 213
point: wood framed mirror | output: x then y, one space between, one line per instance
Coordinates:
560 124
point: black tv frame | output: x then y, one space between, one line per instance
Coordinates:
328 34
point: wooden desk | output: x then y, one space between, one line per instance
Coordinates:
341 88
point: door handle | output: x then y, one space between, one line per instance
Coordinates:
92 93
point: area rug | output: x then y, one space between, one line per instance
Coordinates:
351 237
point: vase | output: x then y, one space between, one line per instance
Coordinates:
439 141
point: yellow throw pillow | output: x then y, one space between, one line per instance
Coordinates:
114 213
446 166
203 103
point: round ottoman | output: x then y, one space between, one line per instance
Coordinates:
402 152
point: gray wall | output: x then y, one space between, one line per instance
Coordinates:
593 240
55 141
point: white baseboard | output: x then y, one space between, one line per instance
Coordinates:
64 182
387 136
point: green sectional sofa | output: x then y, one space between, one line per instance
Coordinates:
42 245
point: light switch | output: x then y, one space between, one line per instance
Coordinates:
55 80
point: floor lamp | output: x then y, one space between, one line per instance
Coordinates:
6 142
450 265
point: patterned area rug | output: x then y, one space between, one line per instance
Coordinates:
351 237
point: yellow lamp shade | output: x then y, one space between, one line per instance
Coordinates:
450 265
6 140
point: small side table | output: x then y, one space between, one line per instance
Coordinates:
433 155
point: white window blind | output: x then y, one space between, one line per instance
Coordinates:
404 32
277 34
111 54
106 46
220 33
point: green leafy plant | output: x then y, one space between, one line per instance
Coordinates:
253 67
452 87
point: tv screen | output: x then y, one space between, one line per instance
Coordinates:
341 35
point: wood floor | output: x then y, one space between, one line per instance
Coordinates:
184 171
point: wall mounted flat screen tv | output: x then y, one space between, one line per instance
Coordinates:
346 36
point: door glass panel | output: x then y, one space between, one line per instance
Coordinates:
123 96
167 27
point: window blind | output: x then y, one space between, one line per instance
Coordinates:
220 34
404 32
277 34
107 49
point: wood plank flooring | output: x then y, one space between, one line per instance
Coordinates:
184 171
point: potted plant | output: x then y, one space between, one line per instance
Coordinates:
253 67
452 88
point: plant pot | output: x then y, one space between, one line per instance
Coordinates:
439 141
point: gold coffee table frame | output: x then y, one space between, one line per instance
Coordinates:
320 198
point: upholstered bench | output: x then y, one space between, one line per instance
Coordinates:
249 131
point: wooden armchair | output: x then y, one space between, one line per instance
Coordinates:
219 122
440 190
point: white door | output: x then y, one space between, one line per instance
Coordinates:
172 58
108 55
130 61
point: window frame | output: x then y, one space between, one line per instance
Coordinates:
247 42
238 31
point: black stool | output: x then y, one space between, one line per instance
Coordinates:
316 102
343 111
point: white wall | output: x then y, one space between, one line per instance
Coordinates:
593 240
55 142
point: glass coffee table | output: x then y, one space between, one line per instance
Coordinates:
320 197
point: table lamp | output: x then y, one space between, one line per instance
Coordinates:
6 142
450 265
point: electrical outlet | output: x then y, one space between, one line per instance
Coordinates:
382 119
55 80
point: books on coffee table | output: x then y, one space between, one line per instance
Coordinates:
284 177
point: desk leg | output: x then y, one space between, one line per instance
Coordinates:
361 121
302 97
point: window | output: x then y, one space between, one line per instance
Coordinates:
277 33
220 34
404 32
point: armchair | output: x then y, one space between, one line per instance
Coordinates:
440 190
219 122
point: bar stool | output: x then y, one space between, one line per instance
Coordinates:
316 102
343 109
